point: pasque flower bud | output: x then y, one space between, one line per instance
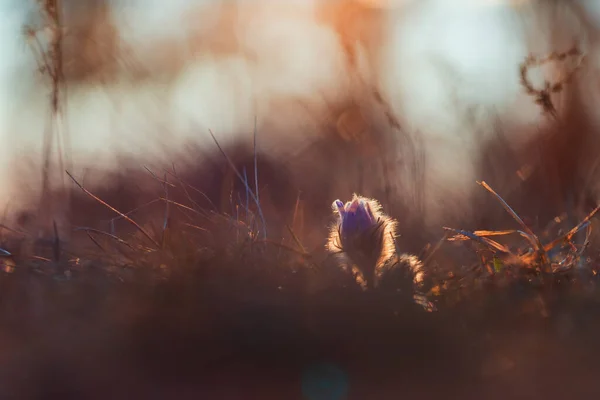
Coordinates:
363 237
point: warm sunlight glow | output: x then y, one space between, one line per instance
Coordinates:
216 65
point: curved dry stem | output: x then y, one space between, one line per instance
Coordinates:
128 219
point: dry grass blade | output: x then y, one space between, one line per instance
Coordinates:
167 217
495 233
527 232
507 208
93 239
433 250
131 221
185 185
241 178
40 258
296 240
483 240
56 243
13 230
198 228
256 170
161 181
110 235
483 234
112 220
586 242
184 207
569 235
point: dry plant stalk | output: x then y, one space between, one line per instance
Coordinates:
543 97
47 46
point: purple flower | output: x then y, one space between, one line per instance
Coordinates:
363 237
356 218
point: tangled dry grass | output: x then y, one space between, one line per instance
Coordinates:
164 293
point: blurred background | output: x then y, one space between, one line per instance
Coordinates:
423 97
